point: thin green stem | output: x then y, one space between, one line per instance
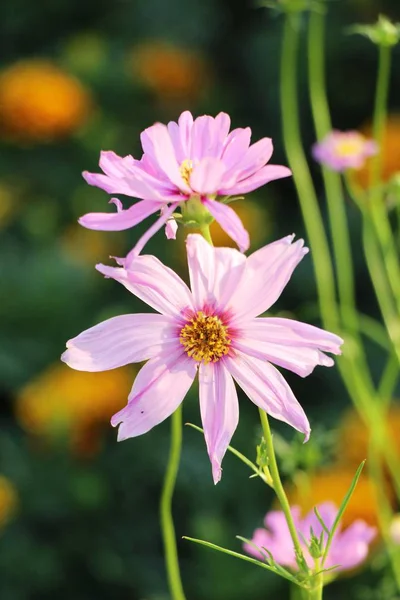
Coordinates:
317 583
378 210
302 178
277 483
205 232
167 523
332 180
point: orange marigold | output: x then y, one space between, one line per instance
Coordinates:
65 402
333 484
390 152
40 102
8 500
169 71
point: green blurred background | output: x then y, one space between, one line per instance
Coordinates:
79 512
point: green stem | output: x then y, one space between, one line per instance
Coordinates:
205 232
302 178
378 210
167 523
332 180
317 583
277 483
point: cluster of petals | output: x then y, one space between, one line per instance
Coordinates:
349 547
234 289
342 150
181 160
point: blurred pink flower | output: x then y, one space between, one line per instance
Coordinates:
349 548
181 160
341 150
212 330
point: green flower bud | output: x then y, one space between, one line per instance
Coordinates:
383 33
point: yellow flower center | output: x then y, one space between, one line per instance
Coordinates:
350 147
205 338
185 169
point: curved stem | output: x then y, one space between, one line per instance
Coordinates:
277 483
205 232
167 523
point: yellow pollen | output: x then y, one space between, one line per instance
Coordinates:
350 147
205 338
185 169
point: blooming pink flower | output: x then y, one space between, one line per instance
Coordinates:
348 549
182 160
341 150
212 330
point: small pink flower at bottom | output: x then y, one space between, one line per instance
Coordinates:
211 330
197 158
348 549
341 150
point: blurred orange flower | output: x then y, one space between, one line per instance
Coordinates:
333 484
62 402
390 152
171 72
40 102
87 246
353 436
8 500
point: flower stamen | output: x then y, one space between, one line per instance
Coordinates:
205 338
185 170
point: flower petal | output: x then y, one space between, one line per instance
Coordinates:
120 341
158 390
289 344
219 412
229 222
136 250
123 219
236 146
207 175
154 283
267 388
258 179
267 272
185 123
256 157
164 155
350 547
214 273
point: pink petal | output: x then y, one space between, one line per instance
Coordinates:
214 273
289 344
256 157
185 123
258 179
154 283
123 219
202 138
158 390
175 135
164 155
207 175
229 222
219 412
171 228
267 272
351 547
136 250
222 124
267 388
236 146
120 341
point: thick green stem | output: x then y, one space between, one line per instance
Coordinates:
317 583
277 483
167 523
205 232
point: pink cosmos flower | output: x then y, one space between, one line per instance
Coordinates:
183 160
349 548
341 150
212 330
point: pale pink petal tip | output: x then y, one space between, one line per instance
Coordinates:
171 227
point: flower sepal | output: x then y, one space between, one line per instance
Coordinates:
382 33
195 214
